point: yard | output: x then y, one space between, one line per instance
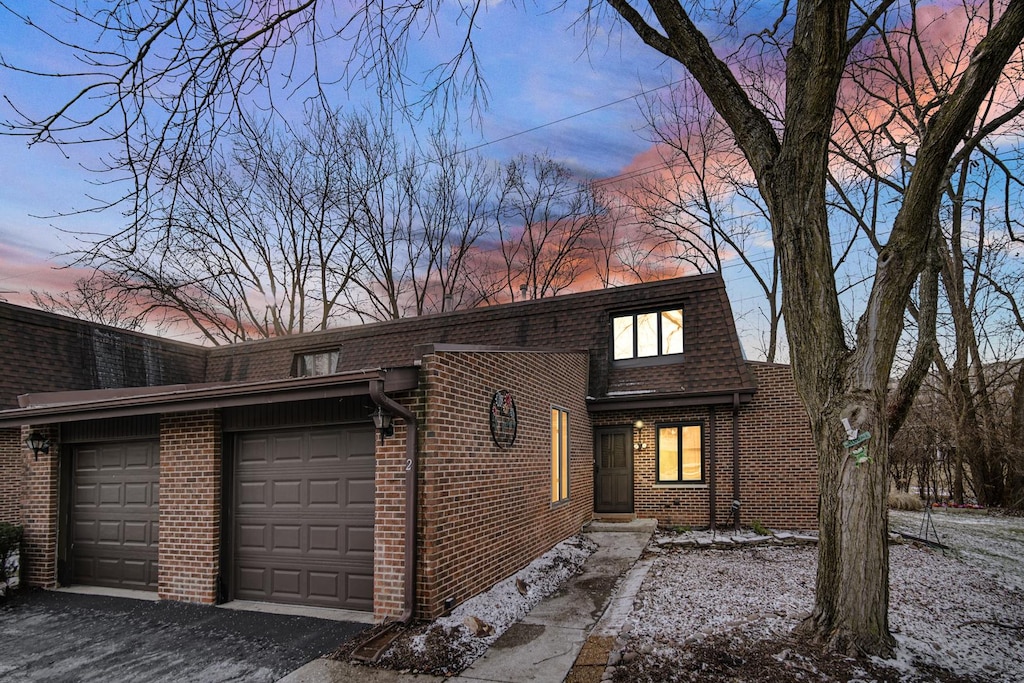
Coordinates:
727 614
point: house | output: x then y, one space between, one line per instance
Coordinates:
256 471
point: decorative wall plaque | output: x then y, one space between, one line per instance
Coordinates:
504 421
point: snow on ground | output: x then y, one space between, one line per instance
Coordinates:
446 645
959 609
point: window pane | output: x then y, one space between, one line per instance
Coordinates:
646 335
555 443
668 454
672 331
564 462
622 331
691 454
315 364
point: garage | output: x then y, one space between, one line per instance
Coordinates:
114 514
303 517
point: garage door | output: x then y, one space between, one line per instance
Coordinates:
304 504
114 514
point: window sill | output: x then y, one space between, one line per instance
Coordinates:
559 504
695 485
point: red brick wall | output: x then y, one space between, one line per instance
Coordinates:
777 455
389 516
778 465
11 467
190 498
486 512
39 510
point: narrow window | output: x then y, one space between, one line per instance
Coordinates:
647 335
680 454
559 455
317 363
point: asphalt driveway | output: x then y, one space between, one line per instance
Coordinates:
56 636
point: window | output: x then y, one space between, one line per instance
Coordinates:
559 455
647 335
317 363
680 454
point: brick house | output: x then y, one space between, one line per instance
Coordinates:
255 472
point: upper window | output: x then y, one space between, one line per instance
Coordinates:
559 455
317 363
680 454
647 335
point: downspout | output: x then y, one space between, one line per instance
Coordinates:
736 457
712 475
411 434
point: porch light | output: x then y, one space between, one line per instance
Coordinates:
38 444
382 422
638 444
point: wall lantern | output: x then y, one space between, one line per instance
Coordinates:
382 421
38 444
638 445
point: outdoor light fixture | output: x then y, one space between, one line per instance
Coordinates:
382 421
638 445
38 444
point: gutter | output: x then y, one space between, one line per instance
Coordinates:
411 435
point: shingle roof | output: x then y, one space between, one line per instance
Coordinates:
712 359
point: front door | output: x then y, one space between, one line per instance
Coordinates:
613 476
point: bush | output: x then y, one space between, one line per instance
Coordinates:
10 543
905 501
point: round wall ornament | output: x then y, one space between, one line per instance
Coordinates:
504 420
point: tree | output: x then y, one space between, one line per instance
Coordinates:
836 380
97 299
544 219
200 56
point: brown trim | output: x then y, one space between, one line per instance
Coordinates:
57 407
666 400
736 457
712 477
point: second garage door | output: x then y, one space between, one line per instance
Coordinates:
304 509
114 514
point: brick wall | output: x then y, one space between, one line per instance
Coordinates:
777 461
39 510
486 511
190 498
389 515
11 467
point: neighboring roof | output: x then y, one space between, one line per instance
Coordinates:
42 351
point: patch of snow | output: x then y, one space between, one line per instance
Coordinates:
504 604
959 609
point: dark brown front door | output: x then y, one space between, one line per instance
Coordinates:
613 476
304 513
114 514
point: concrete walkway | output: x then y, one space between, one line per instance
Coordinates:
544 646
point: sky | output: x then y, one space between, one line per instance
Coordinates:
539 67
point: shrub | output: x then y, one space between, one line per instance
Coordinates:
905 501
10 542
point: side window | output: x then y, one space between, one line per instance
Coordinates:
317 363
647 335
559 455
680 454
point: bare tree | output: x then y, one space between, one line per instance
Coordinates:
544 218
96 299
702 200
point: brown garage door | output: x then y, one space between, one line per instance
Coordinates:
303 529
114 514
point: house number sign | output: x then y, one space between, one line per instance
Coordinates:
504 421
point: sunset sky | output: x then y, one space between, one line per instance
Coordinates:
538 69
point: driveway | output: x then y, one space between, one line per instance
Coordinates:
56 636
